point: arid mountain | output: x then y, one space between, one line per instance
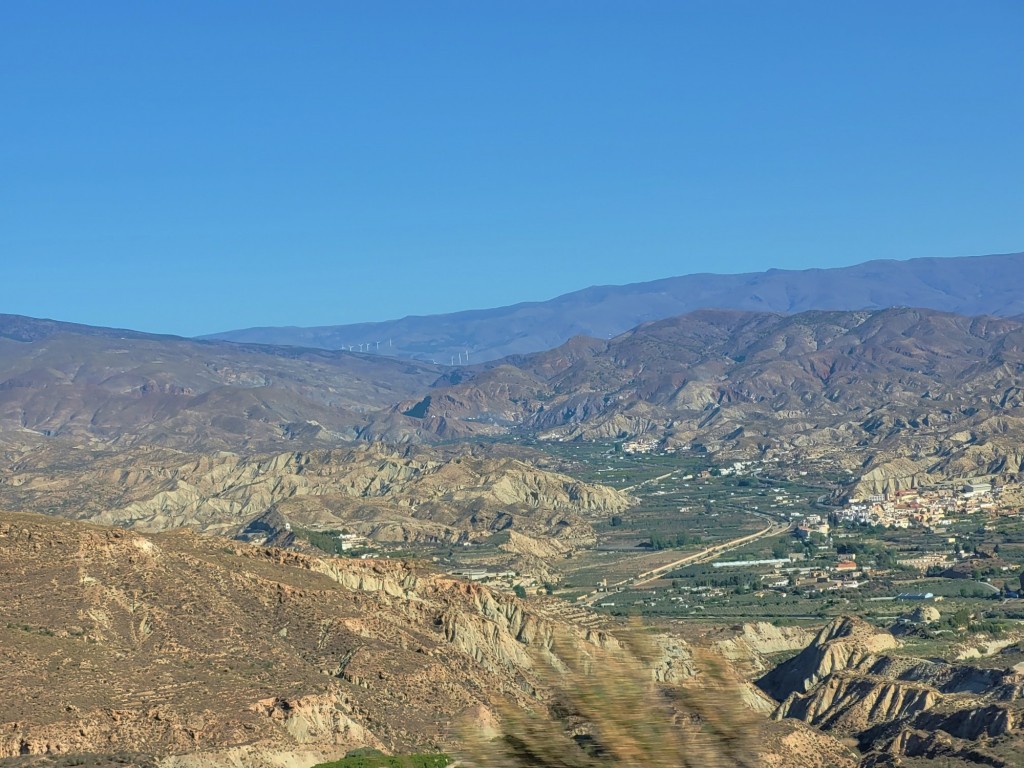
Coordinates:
849 682
898 395
84 382
180 644
413 495
182 651
992 285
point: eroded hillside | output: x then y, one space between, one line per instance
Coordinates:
850 681
192 651
387 494
899 396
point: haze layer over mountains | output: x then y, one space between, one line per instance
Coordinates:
973 285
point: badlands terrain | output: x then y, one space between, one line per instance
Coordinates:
166 604
898 397
182 651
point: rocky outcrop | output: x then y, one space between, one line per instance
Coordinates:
855 702
848 682
844 644
792 743
320 719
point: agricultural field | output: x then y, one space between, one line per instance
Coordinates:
686 504
688 507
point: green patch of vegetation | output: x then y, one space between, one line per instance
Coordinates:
371 758
329 541
30 629
659 541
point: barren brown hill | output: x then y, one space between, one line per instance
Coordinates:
192 652
939 392
84 382
415 494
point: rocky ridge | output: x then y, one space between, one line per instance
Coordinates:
900 397
848 683
182 651
387 494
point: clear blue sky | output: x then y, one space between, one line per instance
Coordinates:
190 167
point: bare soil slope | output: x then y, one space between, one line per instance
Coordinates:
190 652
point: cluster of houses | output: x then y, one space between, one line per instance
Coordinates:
351 541
812 524
919 507
640 445
846 574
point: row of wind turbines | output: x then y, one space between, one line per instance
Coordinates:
376 348
359 347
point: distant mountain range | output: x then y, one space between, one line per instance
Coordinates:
975 285
898 397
